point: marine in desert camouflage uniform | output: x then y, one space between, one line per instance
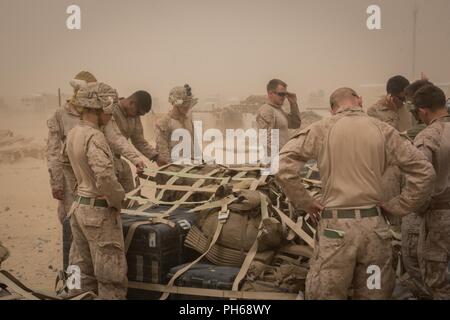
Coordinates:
62 180
352 234
391 109
411 223
63 120
98 245
182 101
127 114
271 115
434 238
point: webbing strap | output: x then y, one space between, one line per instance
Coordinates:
297 250
186 196
291 224
208 189
143 214
215 204
156 202
222 218
228 294
256 183
185 175
254 249
7 279
20 289
137 224
173 179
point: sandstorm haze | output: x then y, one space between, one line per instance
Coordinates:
230 48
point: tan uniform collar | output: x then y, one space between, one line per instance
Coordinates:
439 119
273 105
122 110
350 110
177 115
71 109
89 124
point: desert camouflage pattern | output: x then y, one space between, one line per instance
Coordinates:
97 247
61 177
340 265
402 119
131 128
337 265
410 230
434 238
272 117
164 129
59 125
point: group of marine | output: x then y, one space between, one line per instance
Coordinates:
389 166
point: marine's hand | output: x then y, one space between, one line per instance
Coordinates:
315 210
292 97
140 166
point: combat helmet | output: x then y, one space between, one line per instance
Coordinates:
179 95
96 96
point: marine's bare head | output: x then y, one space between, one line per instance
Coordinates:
344 98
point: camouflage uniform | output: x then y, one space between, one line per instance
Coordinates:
434 238
270 117
59 125
63 120
401 119
131 128
98 245
410 235
172 121
361 147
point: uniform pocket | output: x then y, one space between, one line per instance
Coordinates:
110 264
92 220
412 243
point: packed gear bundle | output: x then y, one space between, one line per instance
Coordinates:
235 219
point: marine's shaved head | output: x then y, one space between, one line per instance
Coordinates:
344 97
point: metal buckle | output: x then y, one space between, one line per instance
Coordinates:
223 215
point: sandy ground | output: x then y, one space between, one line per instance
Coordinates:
29 227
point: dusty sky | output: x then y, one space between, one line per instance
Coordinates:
228 47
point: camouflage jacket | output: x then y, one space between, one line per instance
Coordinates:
353 151
59 125
131 128
434 142
92 163
164 129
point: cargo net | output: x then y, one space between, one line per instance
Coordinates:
244 221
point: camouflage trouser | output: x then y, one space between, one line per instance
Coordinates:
98 250
63 211
434 252
410 239
64 205
124 174
340 263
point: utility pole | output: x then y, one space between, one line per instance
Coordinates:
59 97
